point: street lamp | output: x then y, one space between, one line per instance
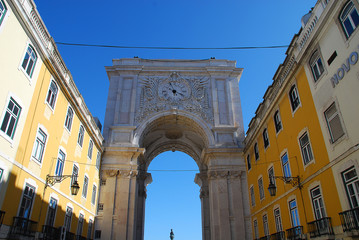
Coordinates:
51 180
272 188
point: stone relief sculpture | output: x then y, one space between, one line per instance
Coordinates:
189 93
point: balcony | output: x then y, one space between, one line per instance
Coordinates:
50 233
265 238
278 236
350 219
2 214
79 237
295 233
70 236
23 227
320 227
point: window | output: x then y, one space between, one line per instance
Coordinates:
51 212
69 117
334 124
349 19
271 175
98 160
285 165
60 163
277 121
261 189
100 207
80 139
75 173
26 202
28 64
3 10
84 189
256 232
265 138
11 118
316 65
265 225
80 225
89 229
94 190
294 213
256 152
278 221
68 218
253 200
249 162
294 98
39 145
89 153
52 94
351 183
306 149
97 234
318 205
1 173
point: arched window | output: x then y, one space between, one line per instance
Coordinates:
3 10
316 65
52 94
69 117
349 18
294 98
28 64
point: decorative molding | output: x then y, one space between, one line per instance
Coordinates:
221 174
109 173
204 192
161 93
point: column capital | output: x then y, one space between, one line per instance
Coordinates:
109 173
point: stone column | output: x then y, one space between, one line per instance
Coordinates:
143 179
202 180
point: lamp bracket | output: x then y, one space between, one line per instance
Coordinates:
51 180
294 181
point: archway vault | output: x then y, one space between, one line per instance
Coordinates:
178 105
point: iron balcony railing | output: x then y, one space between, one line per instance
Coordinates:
295 233
278 236
2 214
23 227
50 232
320 227
264 238
79 237
350 219
70 236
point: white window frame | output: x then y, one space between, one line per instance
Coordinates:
98 160
85 186
81 136
75 174
256 231
294 98
7 112
328 119
265 225
80 224
351 186
25 68
68 217
37 143
261 188
94 194
51 96
317 203
61 152
32 184
351 8
306 149
277 219
48 212
286 166
278 125
256 151
69 118
90 149
295 219
252 194
316 65
3 11
90 228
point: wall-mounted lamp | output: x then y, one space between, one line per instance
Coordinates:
51 180
272 188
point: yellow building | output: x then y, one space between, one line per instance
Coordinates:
59 148
293 190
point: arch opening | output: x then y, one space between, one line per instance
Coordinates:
173 198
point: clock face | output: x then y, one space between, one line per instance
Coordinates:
174 91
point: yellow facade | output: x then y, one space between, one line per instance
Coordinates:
50 144
315 173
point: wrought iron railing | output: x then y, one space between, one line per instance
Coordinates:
2 214
70 236
278 236
264 238
51 233
79 237
320 227
350 219
23 227
295 233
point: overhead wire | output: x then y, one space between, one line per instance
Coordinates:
170 48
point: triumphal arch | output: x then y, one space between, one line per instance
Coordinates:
191 106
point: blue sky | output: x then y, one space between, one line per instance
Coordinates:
173 198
